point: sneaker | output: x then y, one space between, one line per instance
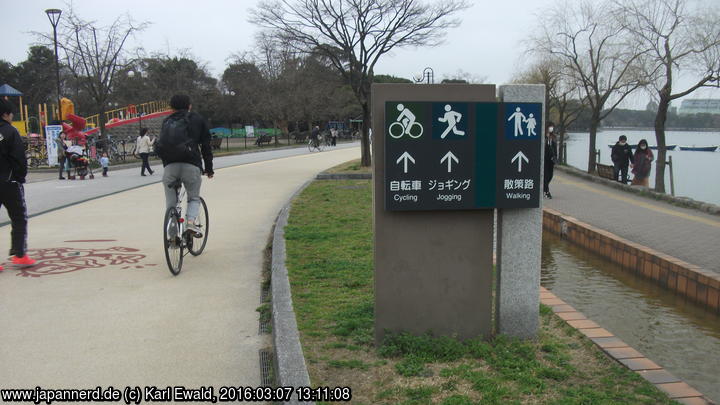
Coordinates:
195 229
25 260
61 178
548 195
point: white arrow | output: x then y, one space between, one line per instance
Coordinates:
405 156
449 157
519 157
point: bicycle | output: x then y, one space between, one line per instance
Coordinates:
315 145
403 128
176 239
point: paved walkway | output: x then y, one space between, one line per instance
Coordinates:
686 234
102 309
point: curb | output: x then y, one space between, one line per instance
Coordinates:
643 191
290 367
619 351
343 176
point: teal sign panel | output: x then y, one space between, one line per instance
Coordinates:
458 156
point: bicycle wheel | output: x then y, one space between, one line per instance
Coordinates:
197 245
413 125
398 127
172 241
310 145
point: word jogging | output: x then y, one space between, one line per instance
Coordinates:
179 394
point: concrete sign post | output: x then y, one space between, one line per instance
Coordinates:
520 230
433 269
445 156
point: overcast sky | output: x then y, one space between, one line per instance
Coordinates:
488 44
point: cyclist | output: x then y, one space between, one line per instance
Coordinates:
406 118
183 146
315 136
13 169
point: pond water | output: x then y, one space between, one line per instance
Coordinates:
694 171
677 334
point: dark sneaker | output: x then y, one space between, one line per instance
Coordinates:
25 260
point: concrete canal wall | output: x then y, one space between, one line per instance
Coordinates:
696 284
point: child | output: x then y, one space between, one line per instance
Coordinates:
104 162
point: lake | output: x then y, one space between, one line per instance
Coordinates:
694 171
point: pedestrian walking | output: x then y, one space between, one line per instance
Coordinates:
642 163
104 163
622 157
13 169
143 147
550 158
333 136
62 145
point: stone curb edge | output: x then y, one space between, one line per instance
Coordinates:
290 368
643 191
619 351
343 176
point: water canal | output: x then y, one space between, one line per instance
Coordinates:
680 336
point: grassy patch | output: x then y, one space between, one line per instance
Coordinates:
352 166
329 248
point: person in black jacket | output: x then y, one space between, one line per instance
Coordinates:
13 169
621 156
189 167
550 158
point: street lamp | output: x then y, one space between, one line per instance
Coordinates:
54 17
428 74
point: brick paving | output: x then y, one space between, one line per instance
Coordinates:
687 234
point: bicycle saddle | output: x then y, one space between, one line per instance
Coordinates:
175 184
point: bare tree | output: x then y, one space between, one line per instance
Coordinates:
596 51
354 34
680 41
563 97
94 54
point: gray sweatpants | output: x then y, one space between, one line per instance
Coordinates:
191 177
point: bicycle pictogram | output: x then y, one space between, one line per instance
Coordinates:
405 124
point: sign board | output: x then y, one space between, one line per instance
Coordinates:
249 131
52 132
462 155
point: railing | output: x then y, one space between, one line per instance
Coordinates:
127 112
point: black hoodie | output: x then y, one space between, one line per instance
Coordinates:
13 164
621 154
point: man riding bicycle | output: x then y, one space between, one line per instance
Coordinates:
315 136
183 146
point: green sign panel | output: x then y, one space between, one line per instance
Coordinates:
460 155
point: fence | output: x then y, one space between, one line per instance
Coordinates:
127 112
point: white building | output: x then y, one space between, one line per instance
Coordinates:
700 105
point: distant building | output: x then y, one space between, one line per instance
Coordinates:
700 105
673 110
651 106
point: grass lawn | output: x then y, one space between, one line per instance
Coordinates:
329 249
352 166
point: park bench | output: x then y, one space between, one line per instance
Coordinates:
215 143
300 137
605 171
263 139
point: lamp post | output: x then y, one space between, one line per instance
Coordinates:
427 74
54 17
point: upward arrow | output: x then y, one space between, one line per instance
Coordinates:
519 157
449 157
405 156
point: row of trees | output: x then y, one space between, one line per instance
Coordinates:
314 61
592 55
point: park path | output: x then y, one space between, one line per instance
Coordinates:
687 234
102 309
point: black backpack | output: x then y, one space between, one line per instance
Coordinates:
174 143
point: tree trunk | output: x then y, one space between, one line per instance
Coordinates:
660 119
594 124
365 160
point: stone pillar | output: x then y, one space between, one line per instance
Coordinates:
519 245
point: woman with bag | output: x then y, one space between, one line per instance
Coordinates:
642 162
